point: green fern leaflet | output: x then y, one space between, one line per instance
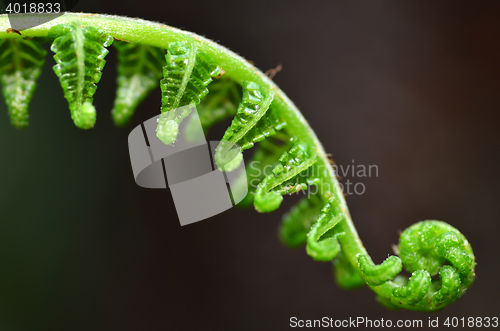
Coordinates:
79 55
139 69
20 66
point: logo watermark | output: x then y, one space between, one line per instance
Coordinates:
199 189
350 177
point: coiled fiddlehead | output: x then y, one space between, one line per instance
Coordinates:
439 258
426 249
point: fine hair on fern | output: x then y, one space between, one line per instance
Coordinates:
192 70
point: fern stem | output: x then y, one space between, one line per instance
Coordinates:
80 60
236 67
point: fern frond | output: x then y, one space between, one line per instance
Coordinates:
427 249
415 289
322 243
424 248
297 222
139 69
266 156
266 127
286 177
427 245
376 275
79 54
21 62
187 74
451 286
251 109
253 122
168 123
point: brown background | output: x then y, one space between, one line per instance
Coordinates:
412 87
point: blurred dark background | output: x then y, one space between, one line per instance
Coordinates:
412 87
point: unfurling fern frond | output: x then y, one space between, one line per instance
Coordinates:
187 74
253 122
289 176
20 66
424 249
321 221
79 54
427 245
139 70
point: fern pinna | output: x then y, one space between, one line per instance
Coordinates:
20 66
199 72
79 55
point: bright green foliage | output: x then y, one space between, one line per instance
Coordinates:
427 245
87 116
266 156
228 160
252 123
450 286
375 275
220 104
297 222
139 70
289 176
253 106
266 127
79 54
187 74
426 249
168 124
20 66
322 243
233 160
415 289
